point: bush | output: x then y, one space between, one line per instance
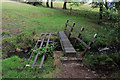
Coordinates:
35 3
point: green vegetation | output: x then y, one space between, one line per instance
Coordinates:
103 62
17 41
20 21
98 61
116 58
13 68
27 18
49 49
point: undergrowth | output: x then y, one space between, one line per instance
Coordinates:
103 62
22 40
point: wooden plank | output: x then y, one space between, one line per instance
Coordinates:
38 51
87 46
34 48
78 25
78 31
84 35
45 52
75 23
45 41
67 46
66 24
64 41
28 65
71 30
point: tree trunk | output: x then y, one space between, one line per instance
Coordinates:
64 6
119 19
47 3
100 11
51 3
106 4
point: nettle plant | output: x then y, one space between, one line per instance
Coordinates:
48 50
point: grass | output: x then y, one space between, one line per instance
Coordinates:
28 18
12 68
21 17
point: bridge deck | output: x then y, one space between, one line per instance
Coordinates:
66 45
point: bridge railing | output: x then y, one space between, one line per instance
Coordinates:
79 32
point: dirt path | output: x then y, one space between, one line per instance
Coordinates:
72 69
75 70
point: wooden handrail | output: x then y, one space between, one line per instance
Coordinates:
78 31
84 35
87 46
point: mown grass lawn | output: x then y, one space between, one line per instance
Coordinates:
19 17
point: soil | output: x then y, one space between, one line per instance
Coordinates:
76 70
72 69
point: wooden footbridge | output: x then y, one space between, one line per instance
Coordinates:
72 30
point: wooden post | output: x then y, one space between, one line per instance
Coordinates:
71 10
90 43
71 30
66 24
82 29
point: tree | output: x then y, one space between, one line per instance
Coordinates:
47 3
64 5
51 3
34 3
106 4
100 11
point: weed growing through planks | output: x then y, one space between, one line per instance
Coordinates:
47 50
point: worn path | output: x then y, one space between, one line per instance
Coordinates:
74 70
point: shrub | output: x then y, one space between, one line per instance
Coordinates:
35 3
